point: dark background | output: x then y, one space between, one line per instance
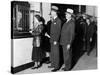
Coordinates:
63 7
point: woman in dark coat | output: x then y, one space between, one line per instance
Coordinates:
89 34
37 54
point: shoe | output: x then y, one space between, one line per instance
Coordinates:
47 62
54 70
50 67
39 65
64 69
34 68
88 54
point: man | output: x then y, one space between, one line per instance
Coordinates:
54 39
67 35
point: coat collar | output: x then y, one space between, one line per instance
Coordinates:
69 21
55 19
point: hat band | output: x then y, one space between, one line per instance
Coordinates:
53 9
69 13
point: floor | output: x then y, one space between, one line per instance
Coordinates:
84 63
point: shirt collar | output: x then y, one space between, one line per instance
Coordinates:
68 20
55 17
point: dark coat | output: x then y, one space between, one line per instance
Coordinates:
90 30
55 30
48 27
81 28
46 41
67 33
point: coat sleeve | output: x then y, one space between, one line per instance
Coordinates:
58 30
71 33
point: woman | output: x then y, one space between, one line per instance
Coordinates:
37 54
89 34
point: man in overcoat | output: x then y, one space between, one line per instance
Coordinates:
67 36
54 39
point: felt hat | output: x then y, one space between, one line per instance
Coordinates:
70 11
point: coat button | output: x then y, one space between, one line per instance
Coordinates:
55 23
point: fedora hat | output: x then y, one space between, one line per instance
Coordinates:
70 11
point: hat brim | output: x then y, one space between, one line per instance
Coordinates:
70 13
54 10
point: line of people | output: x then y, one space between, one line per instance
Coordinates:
54 34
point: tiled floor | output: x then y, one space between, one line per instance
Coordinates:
84 63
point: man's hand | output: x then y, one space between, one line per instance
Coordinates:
68 46
30 31
55 43
90 39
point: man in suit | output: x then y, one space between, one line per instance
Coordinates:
54 39
67 35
